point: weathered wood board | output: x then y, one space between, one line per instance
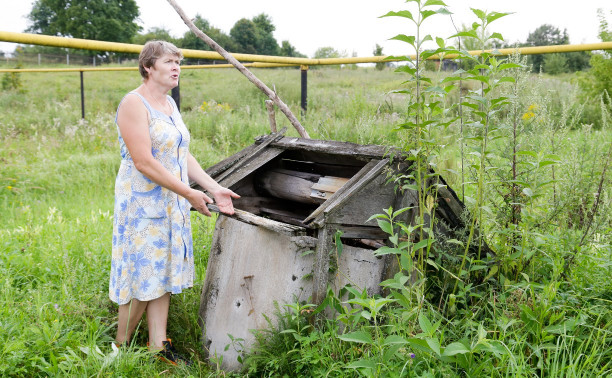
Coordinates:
257 258
251 268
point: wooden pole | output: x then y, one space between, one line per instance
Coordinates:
258 83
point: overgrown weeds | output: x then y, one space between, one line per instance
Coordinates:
534 177
535 181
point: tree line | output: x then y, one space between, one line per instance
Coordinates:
115 21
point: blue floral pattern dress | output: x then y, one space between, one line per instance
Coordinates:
152 250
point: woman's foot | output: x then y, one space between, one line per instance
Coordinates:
170 355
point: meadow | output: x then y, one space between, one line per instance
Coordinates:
544 311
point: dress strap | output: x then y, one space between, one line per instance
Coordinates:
144 101
174 107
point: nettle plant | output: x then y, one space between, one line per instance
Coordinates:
429 116
426 133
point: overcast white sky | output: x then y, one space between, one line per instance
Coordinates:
353 25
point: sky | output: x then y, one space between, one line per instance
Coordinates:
353 26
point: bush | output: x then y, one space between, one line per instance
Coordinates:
599 78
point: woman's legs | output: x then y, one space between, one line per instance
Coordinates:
129 316
157 319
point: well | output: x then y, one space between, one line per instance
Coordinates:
296 195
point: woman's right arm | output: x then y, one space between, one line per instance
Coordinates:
133 122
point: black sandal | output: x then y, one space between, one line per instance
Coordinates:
169 354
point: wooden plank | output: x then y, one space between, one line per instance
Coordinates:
284 217
305 175
248 167
324 164
361 232
262 146
286 186
349 184
368 151
320 270
255 220
371 199
368 173
224 164
329 184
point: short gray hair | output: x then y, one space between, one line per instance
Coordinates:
154 50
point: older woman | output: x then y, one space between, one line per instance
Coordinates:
152 252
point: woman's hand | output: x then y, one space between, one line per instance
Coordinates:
223 199
199 200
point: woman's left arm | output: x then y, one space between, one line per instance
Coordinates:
223 196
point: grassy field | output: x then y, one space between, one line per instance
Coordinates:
56 196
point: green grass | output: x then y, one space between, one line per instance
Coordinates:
57 177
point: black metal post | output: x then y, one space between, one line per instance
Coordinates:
176 95
304 71
82 97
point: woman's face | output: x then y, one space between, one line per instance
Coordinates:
166 71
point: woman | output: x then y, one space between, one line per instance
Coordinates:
152 247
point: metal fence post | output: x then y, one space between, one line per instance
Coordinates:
82 97
176 96
304 101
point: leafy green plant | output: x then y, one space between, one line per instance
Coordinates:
12 81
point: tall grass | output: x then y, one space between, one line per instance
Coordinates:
56 195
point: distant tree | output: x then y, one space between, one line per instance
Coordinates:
287 49
555 64
545 35
152 34
577 61
244 34
255 36
191 41
378 51
327 52
548 35
101 20
266 43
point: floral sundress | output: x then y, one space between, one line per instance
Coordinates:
152 250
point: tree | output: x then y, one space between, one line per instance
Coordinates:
327 52
287 49
191 41
244 34
266 43
152 34
545 35
555 64
101 20
548 35
378 51
255 36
